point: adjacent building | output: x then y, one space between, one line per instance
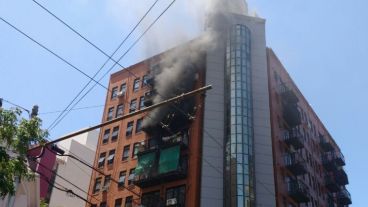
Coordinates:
253 140
71 173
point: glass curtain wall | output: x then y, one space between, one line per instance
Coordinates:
239 167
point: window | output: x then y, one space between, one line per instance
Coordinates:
110 114
138 128
106 136
129 201
107 181
122 179
144 80
118 202
103 204
94 205
136 85
115 133
151 199
123 88
114 92
141 102
129 130
110 159
133 105
97 186
101 160
131 176
177 194
135 150
119 110
126 152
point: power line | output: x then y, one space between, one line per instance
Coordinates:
16 105
122 56
52 52
75 109
63 178
55 122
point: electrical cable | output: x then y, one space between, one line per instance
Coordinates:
52 52
75 109
109 56
63 178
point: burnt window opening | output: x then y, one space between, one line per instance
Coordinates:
133 105
114 92
129 201
97 186
118 202
135 150
115 133
103 204
106 136
129 130
125 153
131 176
138 127
122 176
111 157
110 114
101 160
119 110
175 196
136 85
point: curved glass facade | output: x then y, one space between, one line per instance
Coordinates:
239 168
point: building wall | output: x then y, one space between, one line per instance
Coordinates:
311 129
84 147
191 181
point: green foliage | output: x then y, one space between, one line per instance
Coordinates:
43 203
16 136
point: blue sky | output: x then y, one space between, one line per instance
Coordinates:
323 45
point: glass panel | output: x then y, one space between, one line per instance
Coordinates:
145 163
169 159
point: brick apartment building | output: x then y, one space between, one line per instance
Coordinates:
253 140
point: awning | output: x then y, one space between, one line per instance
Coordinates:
145 163
169 159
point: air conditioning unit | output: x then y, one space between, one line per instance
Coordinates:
171 202
121 93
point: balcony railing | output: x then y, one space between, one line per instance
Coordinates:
153 176
344 197
333 160
326 144
298 191
341 177
288 95
152 144
295 163
331 184
293 138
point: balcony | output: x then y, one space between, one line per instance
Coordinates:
153 144
295 163
331 184
291 114
288 95
298 191
154 170
148 98
333 160
293 138
341 177
343 197
325 144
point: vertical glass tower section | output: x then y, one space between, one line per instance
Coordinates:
239 166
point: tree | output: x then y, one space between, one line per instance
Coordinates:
16 136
